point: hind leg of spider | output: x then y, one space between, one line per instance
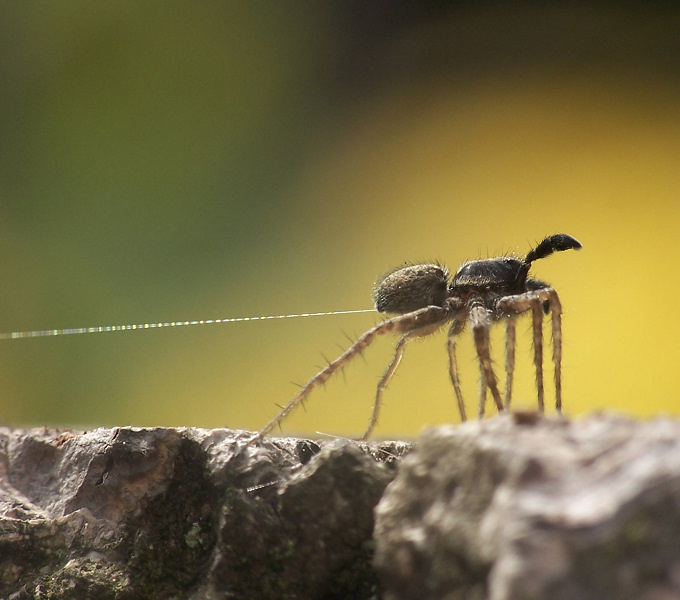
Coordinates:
454 331
389 371
510 337
401 324
479 322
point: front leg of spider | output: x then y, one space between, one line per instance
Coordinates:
540 298
496 288
538 301
510 339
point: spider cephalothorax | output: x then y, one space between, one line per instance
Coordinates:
481 292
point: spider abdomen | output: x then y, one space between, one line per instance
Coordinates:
410 288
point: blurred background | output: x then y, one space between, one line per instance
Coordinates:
166 161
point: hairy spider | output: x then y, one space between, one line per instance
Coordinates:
481 292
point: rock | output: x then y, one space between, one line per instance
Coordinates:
132 513
512 508
519 508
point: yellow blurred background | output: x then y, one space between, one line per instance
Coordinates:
166 161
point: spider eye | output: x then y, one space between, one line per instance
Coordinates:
411 288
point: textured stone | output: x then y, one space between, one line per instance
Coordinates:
519 507
133 513
514 507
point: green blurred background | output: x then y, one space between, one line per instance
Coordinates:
170 160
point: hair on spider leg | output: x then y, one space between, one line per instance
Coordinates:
425 297
326 360
342 349
344 375
352 341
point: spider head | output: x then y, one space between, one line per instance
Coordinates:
480 275
411 288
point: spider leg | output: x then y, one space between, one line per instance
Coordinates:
456 328
391 368
407 322
382 384
556 317
534 300
482 393
537 325
510 337
480 322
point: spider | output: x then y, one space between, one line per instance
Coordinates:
484 291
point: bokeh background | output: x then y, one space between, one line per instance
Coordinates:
166 161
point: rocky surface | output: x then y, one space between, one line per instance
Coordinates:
515 507
518 508
134 513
